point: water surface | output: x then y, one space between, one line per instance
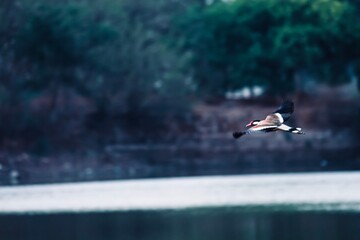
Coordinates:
205 224
262 207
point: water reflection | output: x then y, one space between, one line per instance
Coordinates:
188 224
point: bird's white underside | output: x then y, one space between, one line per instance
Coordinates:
283 127
281 119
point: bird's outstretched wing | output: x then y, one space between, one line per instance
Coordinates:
271 122
285 110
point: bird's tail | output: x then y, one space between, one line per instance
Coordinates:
296 130
237 135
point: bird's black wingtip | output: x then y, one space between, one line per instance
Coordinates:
237 135
286 107
288 103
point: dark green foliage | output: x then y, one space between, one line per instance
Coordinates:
136 65
57 40
113 55
242 43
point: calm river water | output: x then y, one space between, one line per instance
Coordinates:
206 224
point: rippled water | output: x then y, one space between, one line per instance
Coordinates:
209 224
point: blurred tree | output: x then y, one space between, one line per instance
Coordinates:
143 81
112 53
57 42
243 43
135 62
11 72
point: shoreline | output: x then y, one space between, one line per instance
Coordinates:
337 191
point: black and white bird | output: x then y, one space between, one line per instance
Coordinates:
272 122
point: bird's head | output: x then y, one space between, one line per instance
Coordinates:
253 123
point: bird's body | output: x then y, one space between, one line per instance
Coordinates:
273 122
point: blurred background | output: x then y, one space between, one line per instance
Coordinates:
94 90
125 89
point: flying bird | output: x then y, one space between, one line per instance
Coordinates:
273 122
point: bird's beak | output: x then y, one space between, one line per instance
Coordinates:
248 125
